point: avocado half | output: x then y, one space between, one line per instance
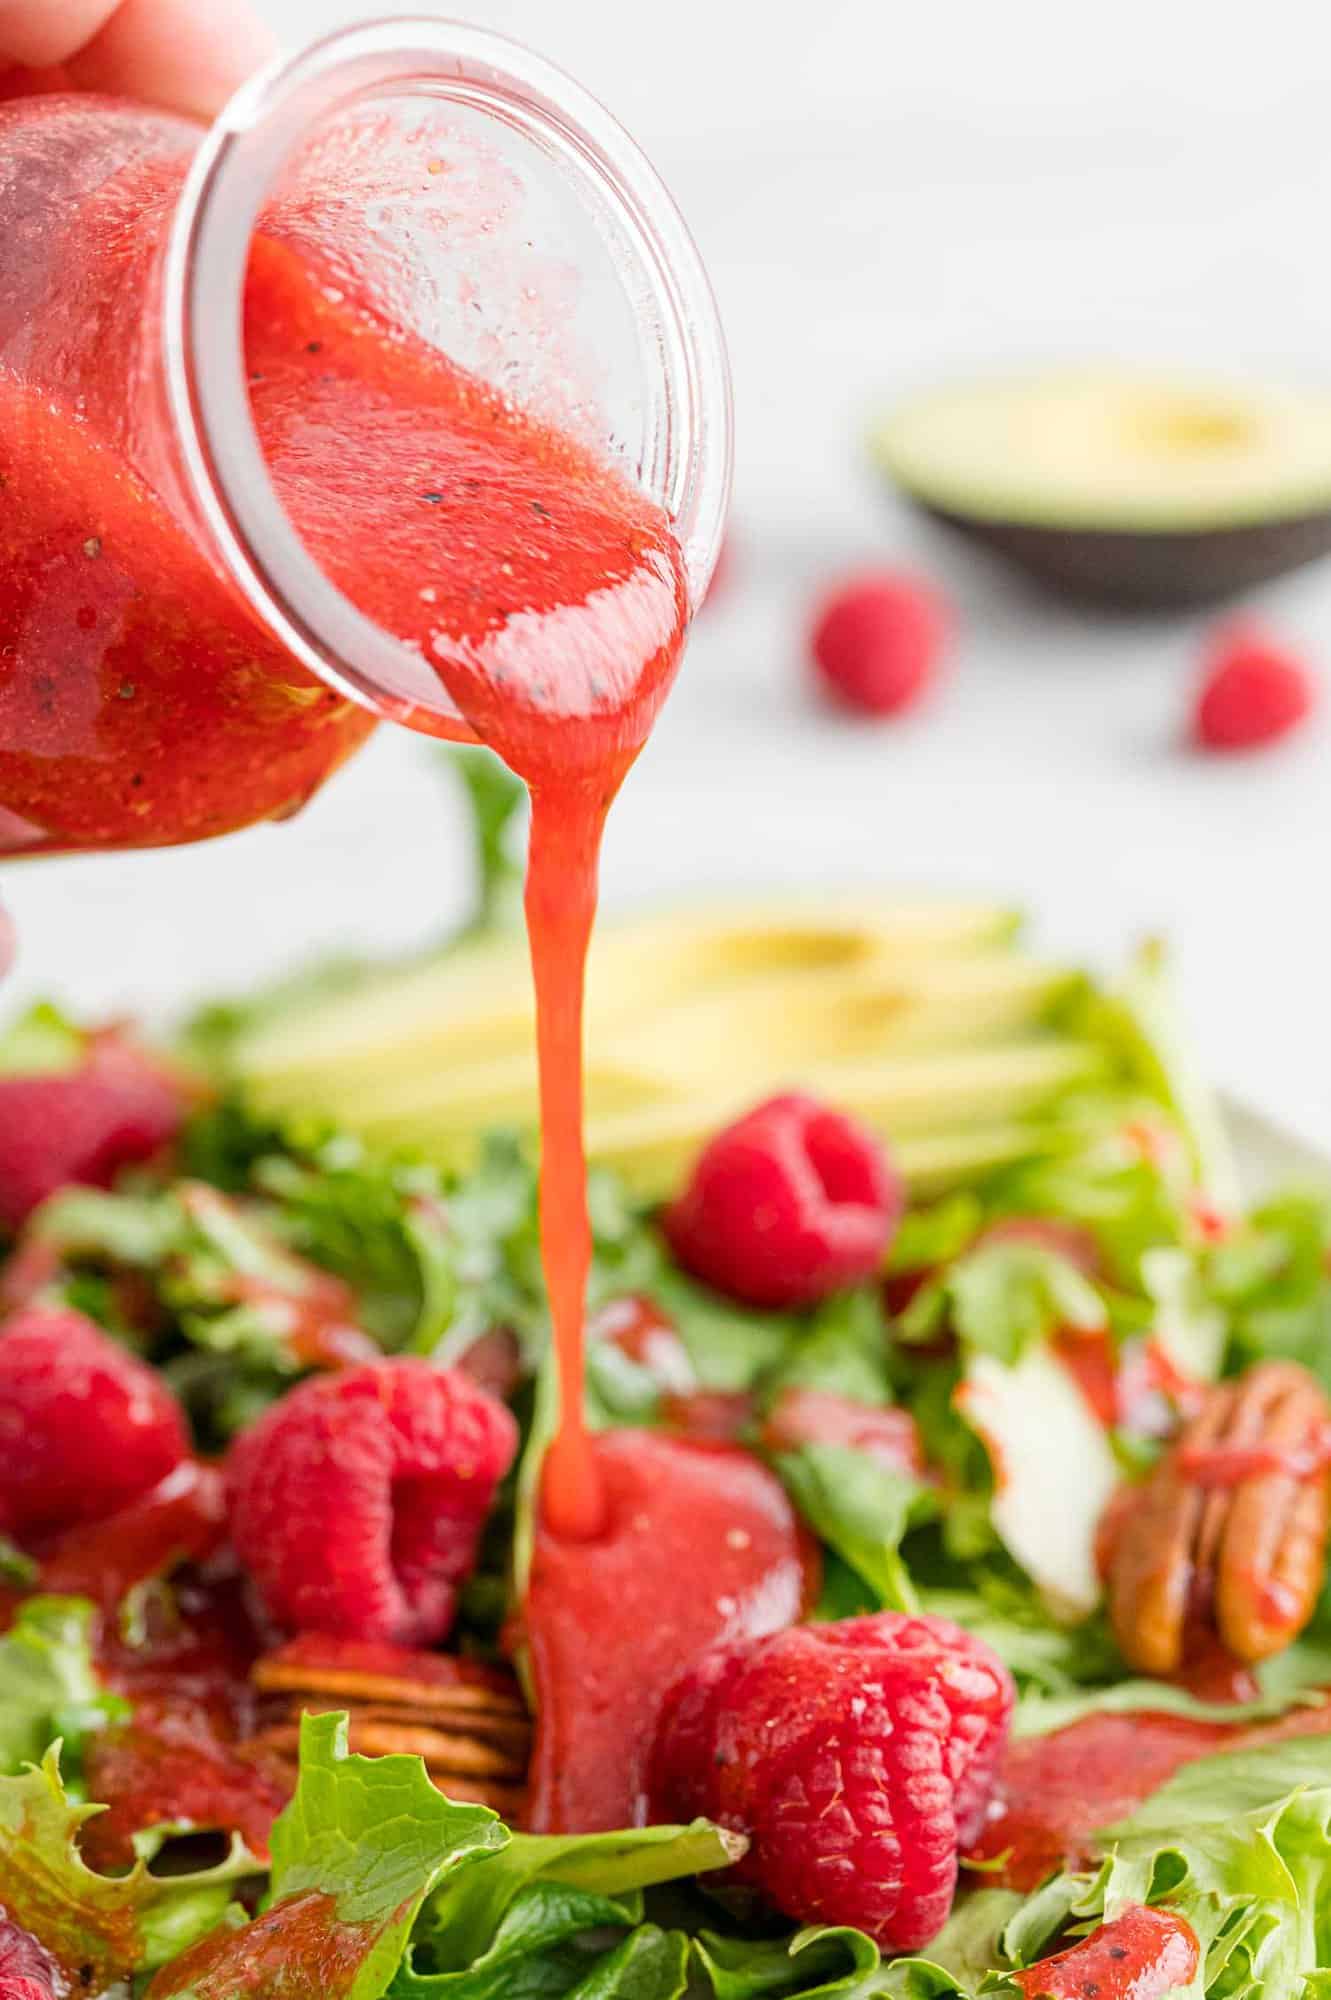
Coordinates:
1123 489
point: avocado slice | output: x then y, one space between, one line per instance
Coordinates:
1128 489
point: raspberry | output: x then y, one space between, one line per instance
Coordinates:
817 1416
791 1203
27 1971
1253 692
877 641
357 1501
85 1426
858 1758
82 1124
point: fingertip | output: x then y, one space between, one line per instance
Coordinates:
184 55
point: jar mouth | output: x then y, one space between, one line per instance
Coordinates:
684 459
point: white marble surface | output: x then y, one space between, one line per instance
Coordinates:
884 192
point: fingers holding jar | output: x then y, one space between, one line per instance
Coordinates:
186 55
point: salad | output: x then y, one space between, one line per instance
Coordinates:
975 1635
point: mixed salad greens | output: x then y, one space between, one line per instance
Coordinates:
273 1225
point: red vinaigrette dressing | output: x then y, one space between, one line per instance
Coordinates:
548 595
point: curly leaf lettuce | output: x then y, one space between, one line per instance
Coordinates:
1237 1844
555 1941
49 1687
356 1852
99 1928
464 1914
841 1964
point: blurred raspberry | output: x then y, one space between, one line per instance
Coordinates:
82 1124
817 1416
27 1971
357 1502
1254 691
878 639
85 1426
790 1203
858 1758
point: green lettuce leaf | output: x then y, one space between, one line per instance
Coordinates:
48 1683
41 1042
1239 1845
99 1928
553 1942
1004 1299
1108 1185
928 1237
463 1914
842 1964
842 1349
1300 1676
1049 1661
732 1349
862 1509
356 1852
1273 1279
1140 1016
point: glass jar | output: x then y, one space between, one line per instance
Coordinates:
175 658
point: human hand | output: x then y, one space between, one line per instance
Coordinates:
186 55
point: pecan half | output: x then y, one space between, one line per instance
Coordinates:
466 1720
1227 1538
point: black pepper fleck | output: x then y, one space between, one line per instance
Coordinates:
541 513
314 347
136 780
126 690
433 498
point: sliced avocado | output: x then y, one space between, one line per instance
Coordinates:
1123 488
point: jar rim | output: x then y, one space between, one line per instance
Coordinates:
234 169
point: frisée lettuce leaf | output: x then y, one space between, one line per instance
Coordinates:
361 1844
100 1929
1239 1846
49 1686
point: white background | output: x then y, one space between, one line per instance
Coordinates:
884 191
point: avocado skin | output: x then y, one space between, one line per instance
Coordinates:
1148 570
